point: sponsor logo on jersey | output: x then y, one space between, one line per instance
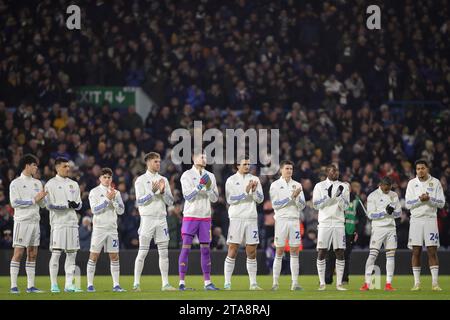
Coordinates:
25 187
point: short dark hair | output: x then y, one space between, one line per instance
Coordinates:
106 171
243 157
60 160
151 155
27 159
331 166
286 163
421 161
386 180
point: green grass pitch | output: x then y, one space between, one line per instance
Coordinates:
150 286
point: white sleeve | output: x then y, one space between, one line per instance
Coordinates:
141 197
232 194
213 192
96 203
258 195
16 199
48 200
167 196
319 201
278 200
78 199
397 207
438 200
189 189
300 201
410 199
372 212
118 205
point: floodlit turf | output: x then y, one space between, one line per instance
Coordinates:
150 286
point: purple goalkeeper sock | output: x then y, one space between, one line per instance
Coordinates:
183 258
183 262
206 262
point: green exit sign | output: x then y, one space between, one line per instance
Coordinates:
121 97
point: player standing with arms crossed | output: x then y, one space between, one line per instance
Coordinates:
424 195
331 197
106 203
243 191
152 195
288 200
26 196
199 190
62 200
383 207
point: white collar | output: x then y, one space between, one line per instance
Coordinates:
151 175
198 172
23 176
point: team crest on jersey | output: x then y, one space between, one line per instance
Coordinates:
373 242
431 184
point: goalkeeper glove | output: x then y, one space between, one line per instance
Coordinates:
389 209
339 192
73 204
205 179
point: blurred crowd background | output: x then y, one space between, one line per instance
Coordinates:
370 101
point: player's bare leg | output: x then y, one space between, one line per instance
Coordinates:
415 262
390 267
277 267
321 265
15 267
229 264
340 265
90 270
433 262
294 268
252 266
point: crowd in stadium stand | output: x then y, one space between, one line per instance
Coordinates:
311 69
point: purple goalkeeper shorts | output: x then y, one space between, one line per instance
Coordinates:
197 226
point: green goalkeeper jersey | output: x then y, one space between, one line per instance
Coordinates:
350 216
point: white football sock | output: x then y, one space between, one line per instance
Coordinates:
252 268
416 273
434 275
276 268
69 268
14 268
30 268
90 272
321 265
228 269
294 268
340 265
390 266
370 263
115 272
139 265
163 252
54 267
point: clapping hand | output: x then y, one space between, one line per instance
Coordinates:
162 186
296 192
155 186
424 197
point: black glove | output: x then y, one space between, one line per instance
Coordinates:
340 189
389 209
73 204
329 191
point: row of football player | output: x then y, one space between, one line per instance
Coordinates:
243 192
